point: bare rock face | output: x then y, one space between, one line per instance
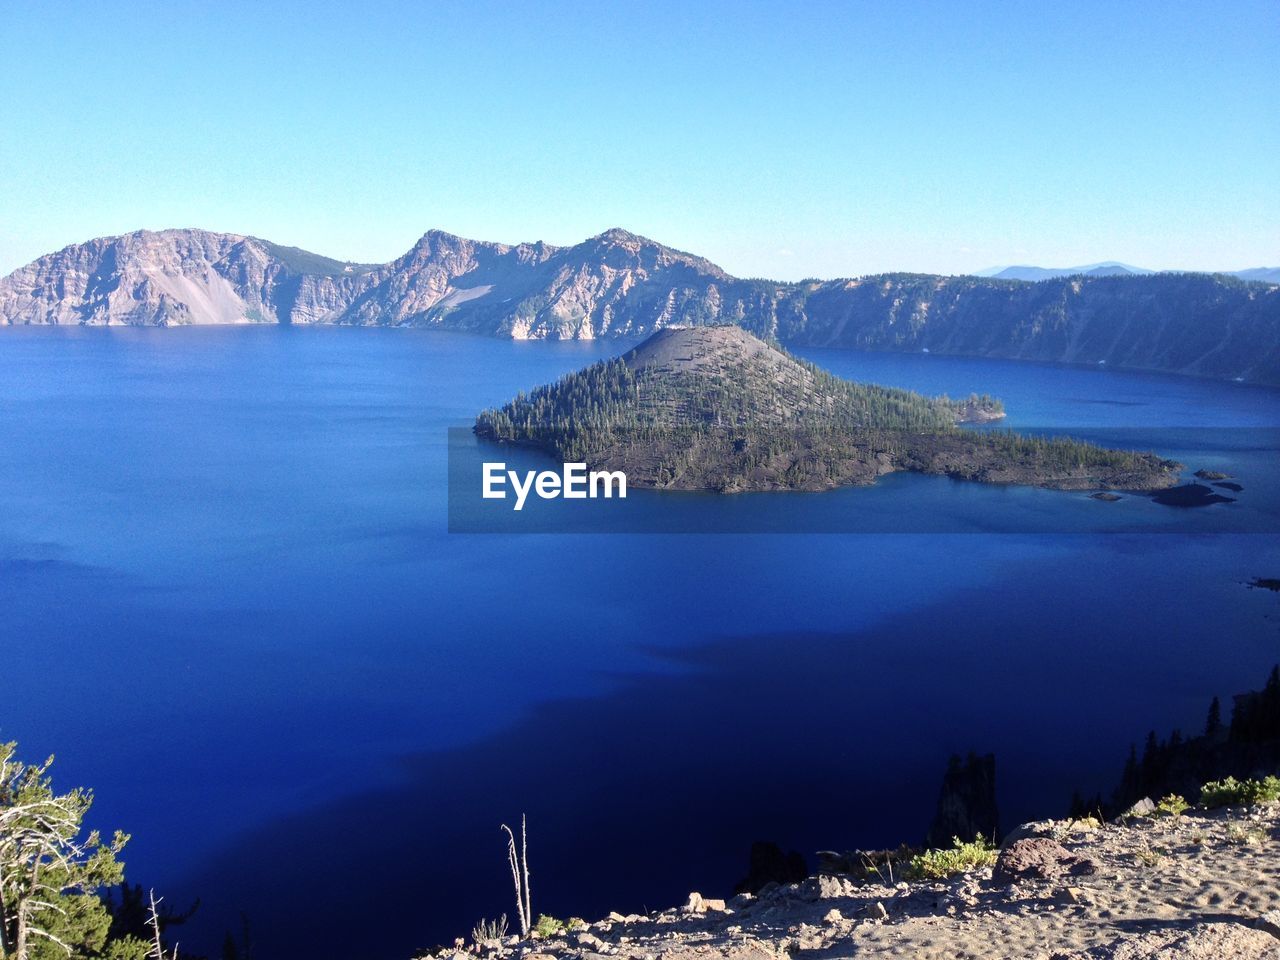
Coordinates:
1039 858
441 274
177 277
616 283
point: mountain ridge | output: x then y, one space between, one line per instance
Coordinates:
620 284
1105 268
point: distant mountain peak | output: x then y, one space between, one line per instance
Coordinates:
619 235
1114 268
643 253
1106 268
1260 274
443 238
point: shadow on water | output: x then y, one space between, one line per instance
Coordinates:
816 740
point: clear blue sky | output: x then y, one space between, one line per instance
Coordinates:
778 139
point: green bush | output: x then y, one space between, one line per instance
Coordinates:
961 856
1240 793
1171 806
547 926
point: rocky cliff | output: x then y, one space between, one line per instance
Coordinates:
620 284
180 277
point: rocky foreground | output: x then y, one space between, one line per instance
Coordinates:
1203 885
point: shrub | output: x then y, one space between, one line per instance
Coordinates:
1240 793
547 926
487 930
1248 836
1149 856
1171 806
961 856
1089 822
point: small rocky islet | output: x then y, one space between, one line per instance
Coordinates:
716 408
1190 495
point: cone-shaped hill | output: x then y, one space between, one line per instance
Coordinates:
716 408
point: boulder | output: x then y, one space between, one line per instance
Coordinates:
1039 858
1143 808
875 911
588 941
1077 895
825 887
1036 828
770 889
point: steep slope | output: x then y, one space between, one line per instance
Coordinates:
178 277
444 274
716 408
614 284
620 284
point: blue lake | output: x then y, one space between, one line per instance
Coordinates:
229 601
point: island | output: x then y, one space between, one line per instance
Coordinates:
716 408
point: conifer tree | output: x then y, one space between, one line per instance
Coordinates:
51 870
1213 724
